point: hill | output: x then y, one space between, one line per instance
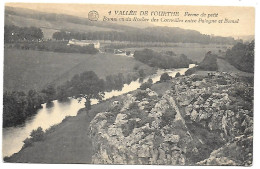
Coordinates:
51 22
30 69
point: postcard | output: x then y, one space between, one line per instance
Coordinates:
128 84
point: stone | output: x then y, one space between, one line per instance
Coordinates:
193 115
120 119
172 138
144 151
114 131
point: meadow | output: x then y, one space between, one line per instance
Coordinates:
193 51
30 69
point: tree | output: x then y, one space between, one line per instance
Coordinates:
141 73
147 84
87 85
14 108
50 93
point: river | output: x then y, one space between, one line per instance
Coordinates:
48 116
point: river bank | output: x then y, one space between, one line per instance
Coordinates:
75 140
13 137
69 142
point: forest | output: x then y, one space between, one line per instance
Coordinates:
150 34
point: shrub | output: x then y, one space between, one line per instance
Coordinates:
37 135
164 77
27 142
147 84
221 81
141 95
178 74
133 106
167 117
128 127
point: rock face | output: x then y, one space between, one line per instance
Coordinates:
143 132
191 124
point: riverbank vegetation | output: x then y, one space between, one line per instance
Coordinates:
18 106
165 60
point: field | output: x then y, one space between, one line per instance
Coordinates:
194 51
28 69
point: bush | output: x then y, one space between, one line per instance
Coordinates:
141 95
37 135
128 127
178 74
27 142
133 106
168 117
147 84
164 77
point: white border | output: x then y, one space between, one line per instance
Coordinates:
256 162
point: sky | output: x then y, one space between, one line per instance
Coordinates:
245 16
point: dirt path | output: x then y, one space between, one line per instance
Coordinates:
69 143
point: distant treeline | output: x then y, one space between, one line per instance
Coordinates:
143 45
14 34
55 17
242 56
152 34
166 60
53 46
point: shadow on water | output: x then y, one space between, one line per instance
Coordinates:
64 101
49 105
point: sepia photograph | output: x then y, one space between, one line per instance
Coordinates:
128 84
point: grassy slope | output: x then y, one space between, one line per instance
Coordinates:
27 69
69 143
224 66
51 25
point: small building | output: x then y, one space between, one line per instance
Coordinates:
84 43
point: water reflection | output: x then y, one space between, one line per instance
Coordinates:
54 113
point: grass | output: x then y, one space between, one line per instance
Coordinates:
224 66
67 142
28 69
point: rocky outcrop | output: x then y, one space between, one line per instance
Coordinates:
237 152
200 121
142 132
